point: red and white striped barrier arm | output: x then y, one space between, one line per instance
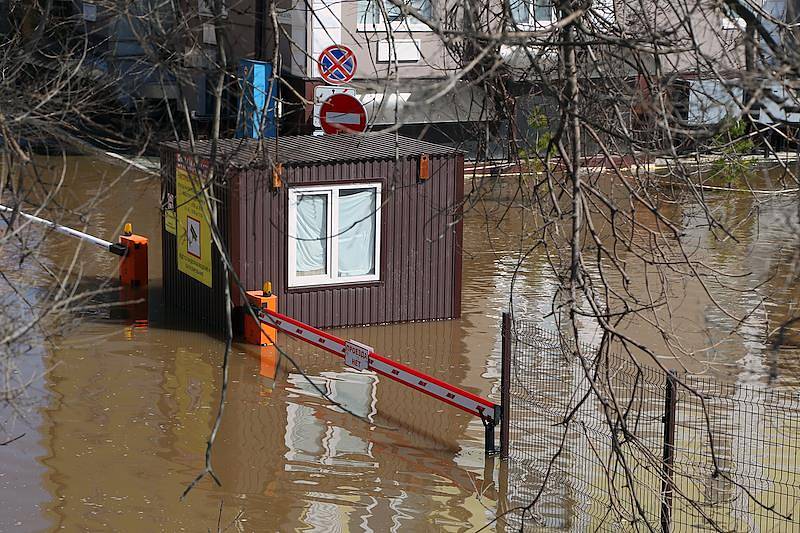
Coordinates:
488 411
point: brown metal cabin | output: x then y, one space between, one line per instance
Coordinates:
348 228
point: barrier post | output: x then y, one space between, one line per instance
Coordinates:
505 385
133 263
254 331
488 443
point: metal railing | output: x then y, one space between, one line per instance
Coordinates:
603 442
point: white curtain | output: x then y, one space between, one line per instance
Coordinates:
357 232
312 232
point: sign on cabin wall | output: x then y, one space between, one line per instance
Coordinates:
194 229
170 218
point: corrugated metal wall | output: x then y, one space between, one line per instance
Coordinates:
420 246
191 299
420 264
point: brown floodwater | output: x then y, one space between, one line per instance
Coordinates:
121 409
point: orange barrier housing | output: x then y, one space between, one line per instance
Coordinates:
133 265
254 331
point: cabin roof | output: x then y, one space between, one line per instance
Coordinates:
311 149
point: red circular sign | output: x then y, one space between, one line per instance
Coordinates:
337 64
342 113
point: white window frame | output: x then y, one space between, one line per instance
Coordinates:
407 23
331 277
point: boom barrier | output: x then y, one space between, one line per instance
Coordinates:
131 248
362 357
113 247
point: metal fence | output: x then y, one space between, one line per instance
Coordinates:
604 443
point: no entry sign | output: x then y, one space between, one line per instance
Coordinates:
342 113
337 64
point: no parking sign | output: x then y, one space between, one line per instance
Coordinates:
337 64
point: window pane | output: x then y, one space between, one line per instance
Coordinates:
312 234
393 12
543 10
519 11
369 12
365 12
423 6
357 232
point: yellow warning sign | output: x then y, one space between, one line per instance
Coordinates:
194 230
170 222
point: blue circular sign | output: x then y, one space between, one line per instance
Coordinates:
337 64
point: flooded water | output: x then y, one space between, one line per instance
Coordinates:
121 410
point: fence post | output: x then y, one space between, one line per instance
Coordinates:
505 385
670 403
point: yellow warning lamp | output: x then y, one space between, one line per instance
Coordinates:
128 230
267 288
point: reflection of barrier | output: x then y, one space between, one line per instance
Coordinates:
131 248
132 306
362 357
268 362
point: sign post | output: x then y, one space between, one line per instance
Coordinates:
343 113
337 64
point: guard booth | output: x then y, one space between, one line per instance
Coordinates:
350 229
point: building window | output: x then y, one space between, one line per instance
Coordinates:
334 234
532 12
371 17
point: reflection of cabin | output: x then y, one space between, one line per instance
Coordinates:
274 443
349 229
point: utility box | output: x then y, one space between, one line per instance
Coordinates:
345 227
258 103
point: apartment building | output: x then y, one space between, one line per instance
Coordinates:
405 74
